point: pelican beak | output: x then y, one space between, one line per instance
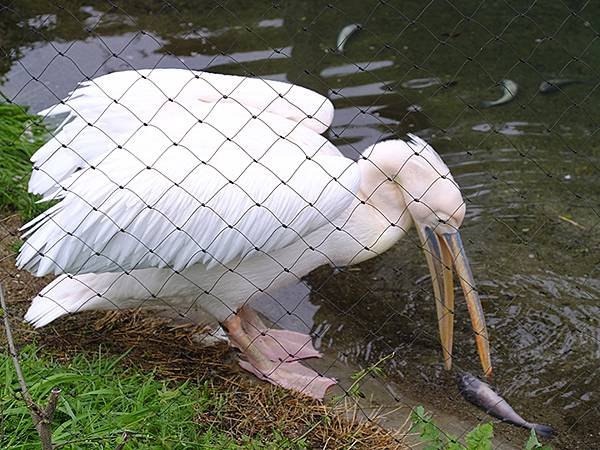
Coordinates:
444 251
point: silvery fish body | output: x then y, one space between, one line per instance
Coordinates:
345 34
555 85
483 396
509 92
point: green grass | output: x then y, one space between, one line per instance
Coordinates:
100 401
21 134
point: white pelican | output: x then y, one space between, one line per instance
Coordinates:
201 191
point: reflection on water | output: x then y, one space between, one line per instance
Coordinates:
529 170
421 83
514 128
349 69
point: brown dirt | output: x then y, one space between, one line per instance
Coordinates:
253 408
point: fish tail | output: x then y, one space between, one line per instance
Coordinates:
543 430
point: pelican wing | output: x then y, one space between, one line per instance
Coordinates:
207 197
109 110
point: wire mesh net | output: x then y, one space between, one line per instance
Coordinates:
263 176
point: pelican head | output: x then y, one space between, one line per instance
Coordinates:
436 207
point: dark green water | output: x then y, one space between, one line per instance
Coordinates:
530 169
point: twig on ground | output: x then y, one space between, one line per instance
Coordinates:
125 437
42 418
571 221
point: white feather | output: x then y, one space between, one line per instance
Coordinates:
70 297
109 110
209 199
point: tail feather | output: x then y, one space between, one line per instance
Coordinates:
63 296
43 311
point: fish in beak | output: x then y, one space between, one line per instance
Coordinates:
445 254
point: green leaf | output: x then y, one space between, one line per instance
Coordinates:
534 443
453 443
418 416
428 431
480 438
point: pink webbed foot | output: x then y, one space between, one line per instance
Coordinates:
295 376
277 345
289 375
283 345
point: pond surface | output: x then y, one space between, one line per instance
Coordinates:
529 169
